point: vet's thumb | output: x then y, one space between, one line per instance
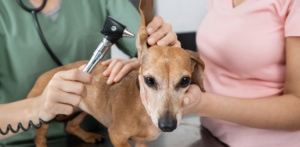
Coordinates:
186 101
189 97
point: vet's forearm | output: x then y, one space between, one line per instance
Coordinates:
17 112
279 113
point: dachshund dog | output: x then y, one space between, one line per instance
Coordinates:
144 103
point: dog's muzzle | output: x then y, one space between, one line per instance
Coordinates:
167 122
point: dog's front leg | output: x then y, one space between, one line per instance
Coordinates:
140 144
40 139
73 127
118 138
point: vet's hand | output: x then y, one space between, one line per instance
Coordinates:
161 33
63 92
118 68
192 100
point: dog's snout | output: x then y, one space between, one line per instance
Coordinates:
167 122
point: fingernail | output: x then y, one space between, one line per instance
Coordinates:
161 43
82 67
104 73
116 79
151 40
109 81
149 30
186 101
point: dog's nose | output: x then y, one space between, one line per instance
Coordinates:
167 122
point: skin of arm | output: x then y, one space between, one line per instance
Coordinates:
17 112
276 113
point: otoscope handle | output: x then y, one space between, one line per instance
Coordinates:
98 54
113 31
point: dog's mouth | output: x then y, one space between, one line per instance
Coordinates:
168 122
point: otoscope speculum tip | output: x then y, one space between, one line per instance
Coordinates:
127 33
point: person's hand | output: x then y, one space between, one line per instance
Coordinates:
63 93
161 33
118 68
192 100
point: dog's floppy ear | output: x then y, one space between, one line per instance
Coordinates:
198 68
146 12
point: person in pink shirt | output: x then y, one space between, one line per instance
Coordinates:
251 51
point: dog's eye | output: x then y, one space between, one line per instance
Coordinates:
185 81
150 81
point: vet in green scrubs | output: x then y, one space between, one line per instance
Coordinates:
73 35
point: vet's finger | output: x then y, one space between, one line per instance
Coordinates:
133 64
155 24
110 65
177 44
156 29
114 71
74 75
58 96
106 62
74 87
82 67
169 40
159 34
62 109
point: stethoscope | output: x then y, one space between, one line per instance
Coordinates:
34 12
112 30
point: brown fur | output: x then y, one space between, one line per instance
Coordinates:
120 106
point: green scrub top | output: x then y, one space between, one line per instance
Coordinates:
73 36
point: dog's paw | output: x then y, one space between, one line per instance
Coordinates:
93 138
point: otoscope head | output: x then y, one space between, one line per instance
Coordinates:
114 30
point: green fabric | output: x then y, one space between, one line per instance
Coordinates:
73 36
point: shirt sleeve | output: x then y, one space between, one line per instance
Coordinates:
292 24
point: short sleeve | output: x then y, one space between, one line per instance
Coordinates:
292 24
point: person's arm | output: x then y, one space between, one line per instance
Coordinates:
17 112
278 112
61 95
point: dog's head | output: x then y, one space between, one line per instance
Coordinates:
165 75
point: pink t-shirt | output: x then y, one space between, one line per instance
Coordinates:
244 53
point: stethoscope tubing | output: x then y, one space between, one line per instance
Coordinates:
34 12
37 25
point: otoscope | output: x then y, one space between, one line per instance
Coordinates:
113 31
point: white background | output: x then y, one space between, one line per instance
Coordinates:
184 15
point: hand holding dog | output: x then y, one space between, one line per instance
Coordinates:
161 33
118 68
192 100
63 92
